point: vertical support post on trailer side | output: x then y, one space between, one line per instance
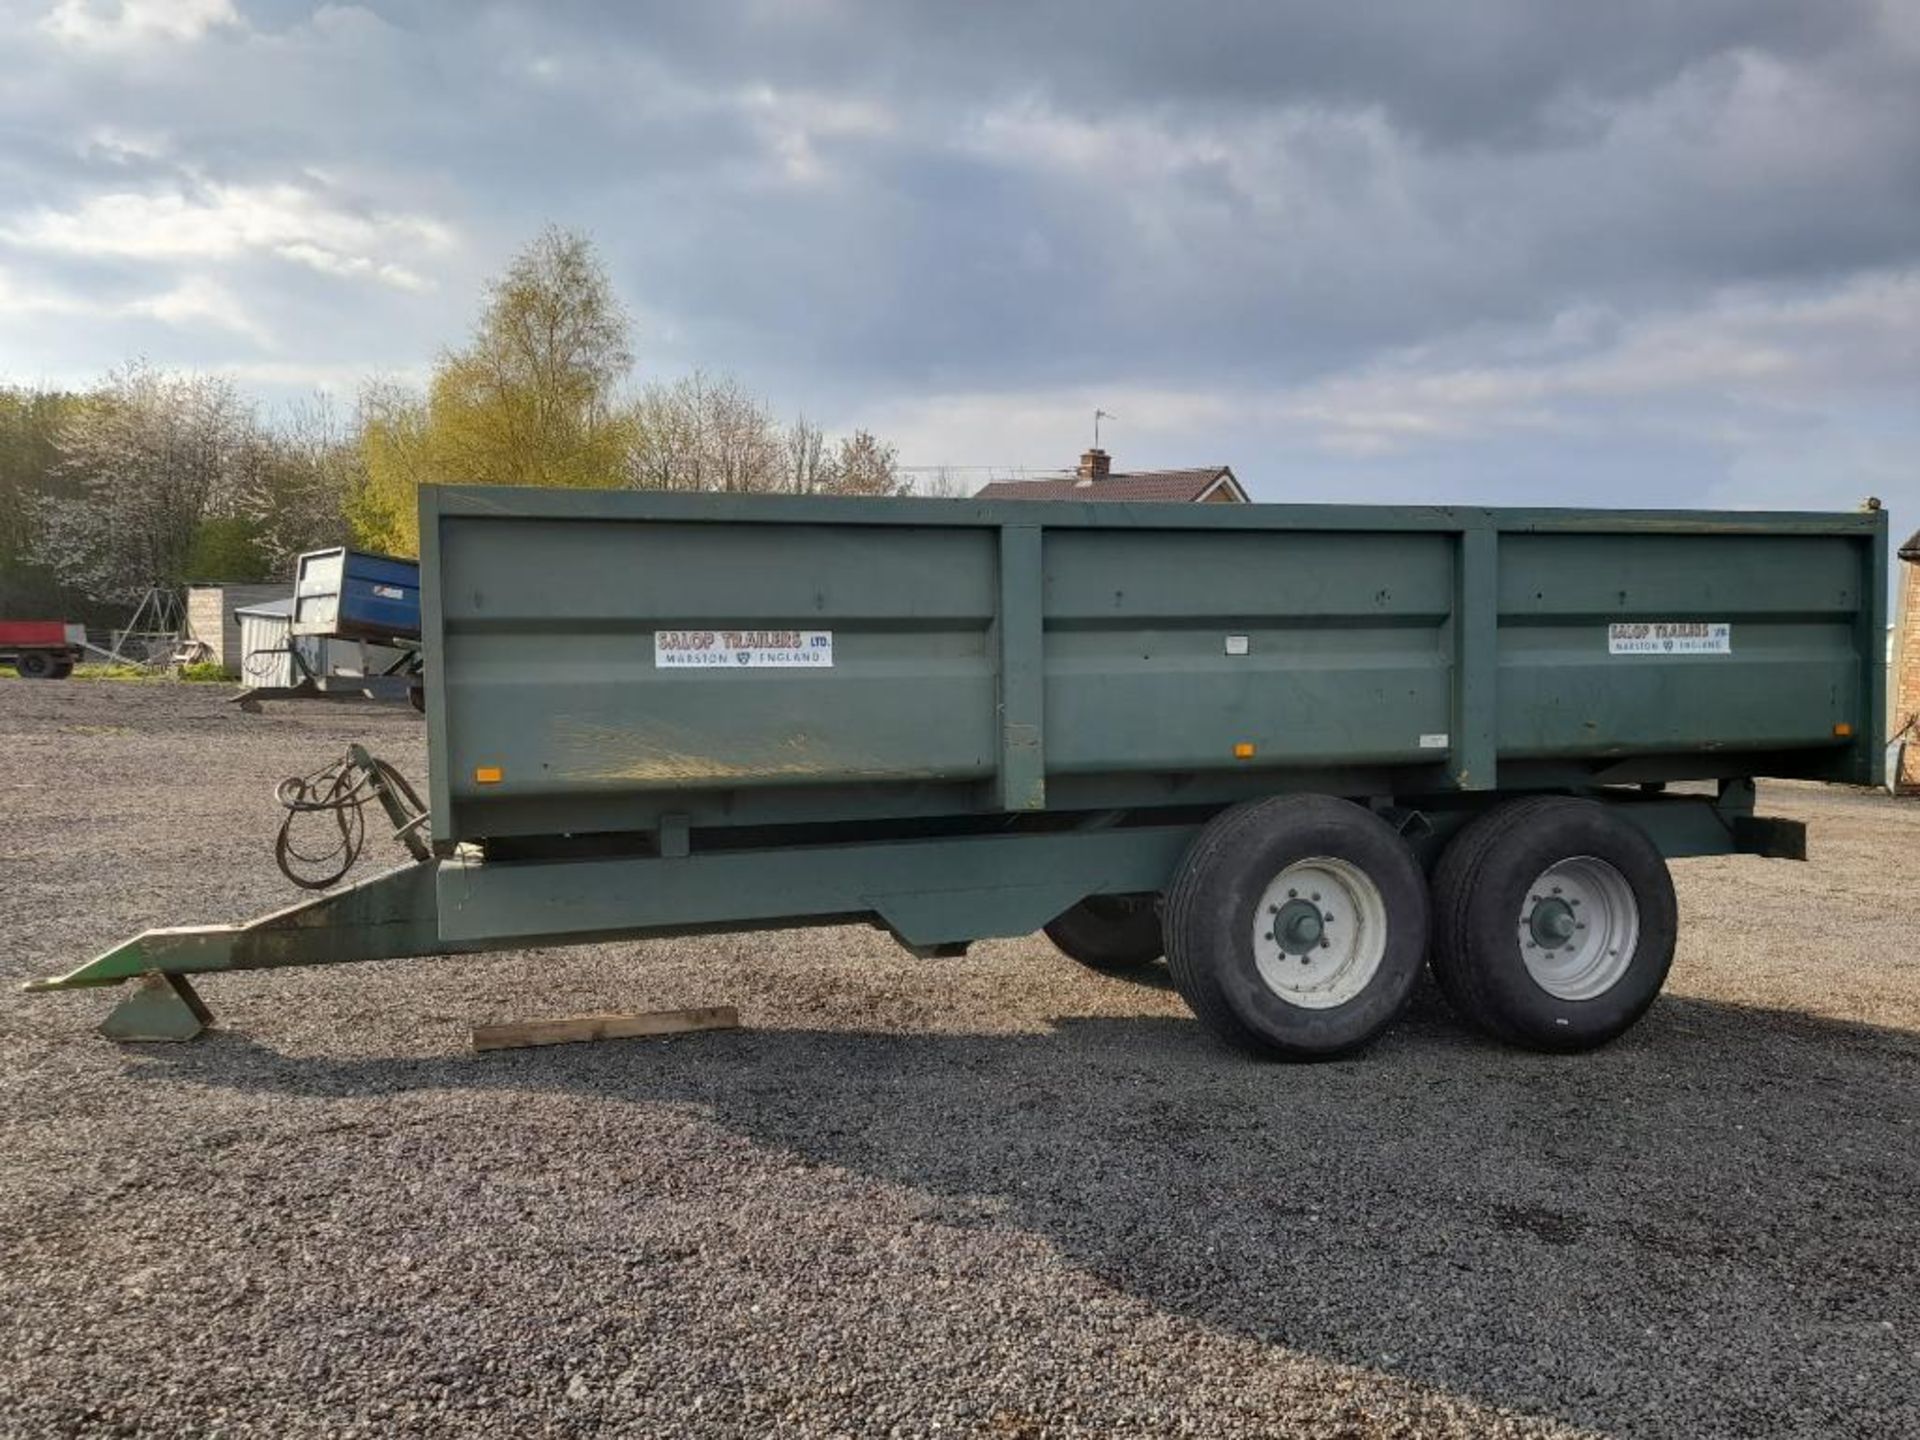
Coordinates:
1476 657
1023 765
433 648
1870 731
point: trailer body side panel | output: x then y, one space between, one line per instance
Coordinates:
619 663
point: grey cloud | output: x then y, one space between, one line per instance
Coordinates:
1492 69
852 201
1392 177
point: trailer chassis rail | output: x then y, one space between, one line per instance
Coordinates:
934 895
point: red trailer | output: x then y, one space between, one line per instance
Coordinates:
41 649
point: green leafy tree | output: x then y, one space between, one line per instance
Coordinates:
533 399
297 484
228 548
30 481
394 464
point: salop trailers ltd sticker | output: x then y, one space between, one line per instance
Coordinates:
743 649
1670 637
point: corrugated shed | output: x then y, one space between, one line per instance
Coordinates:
263 657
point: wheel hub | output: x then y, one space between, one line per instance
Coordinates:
1552 922
1319 932
1579 924
1299 927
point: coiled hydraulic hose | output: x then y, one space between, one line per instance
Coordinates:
340 791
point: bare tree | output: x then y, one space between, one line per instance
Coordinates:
704 433
938 483
806 445
863 465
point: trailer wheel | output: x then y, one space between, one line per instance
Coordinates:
63 670
1554 923
1296 926
1110 932
34 665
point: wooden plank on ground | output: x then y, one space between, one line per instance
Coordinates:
604 1025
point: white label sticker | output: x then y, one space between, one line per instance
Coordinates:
1434 742
742 649
1670 637
1236 644
389 592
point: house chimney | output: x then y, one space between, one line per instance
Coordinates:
1094 465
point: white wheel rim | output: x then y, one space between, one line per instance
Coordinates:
1579 926
1319 932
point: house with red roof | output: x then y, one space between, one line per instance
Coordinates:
1096 479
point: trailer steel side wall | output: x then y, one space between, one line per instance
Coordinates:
1023 657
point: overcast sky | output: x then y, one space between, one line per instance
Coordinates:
1651 251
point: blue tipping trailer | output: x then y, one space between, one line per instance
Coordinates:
356 595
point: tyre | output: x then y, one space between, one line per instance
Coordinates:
1296 926
1110 932
63 670
34 665
1554 923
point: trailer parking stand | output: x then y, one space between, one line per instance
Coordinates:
162 1007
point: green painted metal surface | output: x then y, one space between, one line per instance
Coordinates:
161 1007
933 894
1008 658
1030 703
928 892
383 917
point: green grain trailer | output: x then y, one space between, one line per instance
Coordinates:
1301 748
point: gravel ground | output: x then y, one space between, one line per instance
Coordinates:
998 1196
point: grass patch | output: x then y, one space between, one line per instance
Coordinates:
112 670
204 673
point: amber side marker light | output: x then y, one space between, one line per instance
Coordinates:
1843 730
486 774
1243 751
